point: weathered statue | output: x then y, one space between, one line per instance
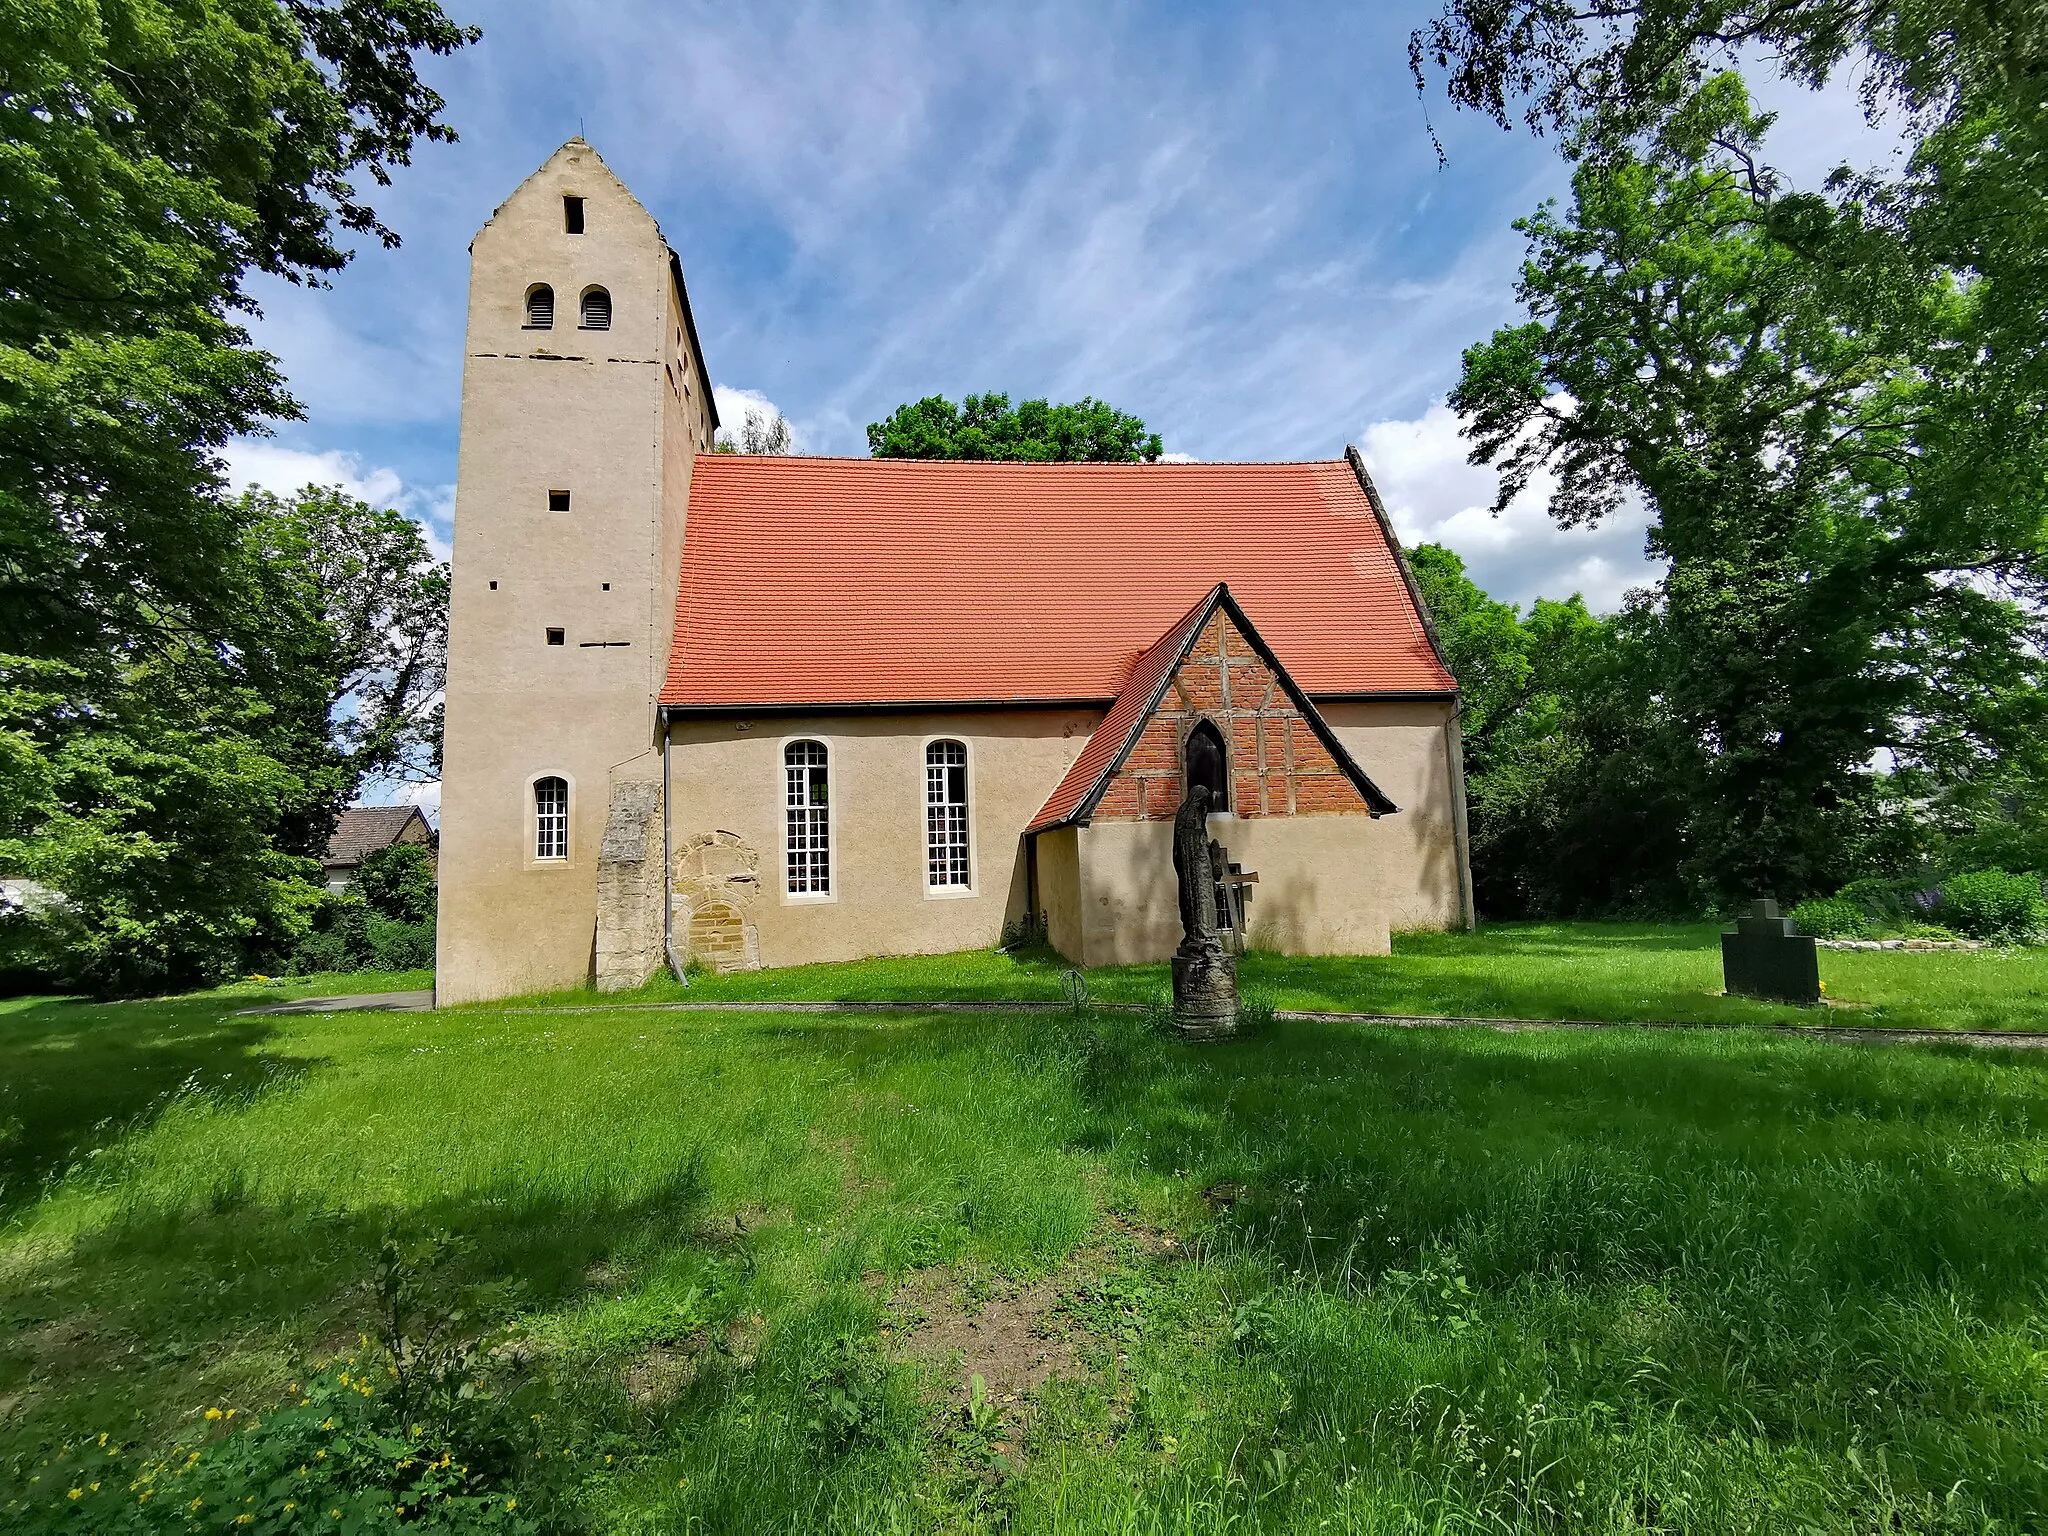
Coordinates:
1204 977
1194 873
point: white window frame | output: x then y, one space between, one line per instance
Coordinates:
946 892
534 860
832 849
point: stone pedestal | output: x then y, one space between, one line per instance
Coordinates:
1205 995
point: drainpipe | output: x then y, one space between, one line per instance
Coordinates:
668 865
1454 752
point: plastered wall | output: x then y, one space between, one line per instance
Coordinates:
1328 883
603 415
728 777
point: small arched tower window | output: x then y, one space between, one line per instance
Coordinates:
597 310
1206 764
550 818
945 816
540 308
807 797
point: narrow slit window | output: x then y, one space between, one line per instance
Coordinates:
597 310
550 818
540 308
807 792
945 815
558 501
572 215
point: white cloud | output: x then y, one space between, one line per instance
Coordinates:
736 405
273 467
1434 495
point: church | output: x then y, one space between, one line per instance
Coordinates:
764 711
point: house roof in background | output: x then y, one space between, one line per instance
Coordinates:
363 829
809 581
1075 797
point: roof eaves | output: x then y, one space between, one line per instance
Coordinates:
875 707
1189 628
1379 511
1376 799
675 268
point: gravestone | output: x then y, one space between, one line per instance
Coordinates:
1204 973
1765 955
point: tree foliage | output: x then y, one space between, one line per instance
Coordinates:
758 433
1841 590
988 427
157 153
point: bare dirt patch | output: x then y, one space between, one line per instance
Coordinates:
1011 1337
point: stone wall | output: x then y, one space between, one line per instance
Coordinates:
629 888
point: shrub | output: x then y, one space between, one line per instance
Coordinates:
1992 904
1832 917
1891 902
398 883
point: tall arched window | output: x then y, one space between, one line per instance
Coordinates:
1206 764
550 818
540 308
597 310
945 815
807 796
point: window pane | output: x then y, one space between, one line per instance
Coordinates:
945 819
551 819
809 831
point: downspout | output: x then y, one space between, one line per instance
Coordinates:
668 866
1454 754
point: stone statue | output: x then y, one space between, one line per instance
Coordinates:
1204 977
1194 873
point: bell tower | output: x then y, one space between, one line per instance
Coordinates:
584 404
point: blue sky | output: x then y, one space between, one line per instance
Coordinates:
1230 220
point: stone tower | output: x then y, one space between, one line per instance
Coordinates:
584 403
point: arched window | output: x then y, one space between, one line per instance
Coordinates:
1206 764
597 310
807 797
945 815
540 308
550 818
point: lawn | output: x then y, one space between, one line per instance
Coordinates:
735 1270
1624 972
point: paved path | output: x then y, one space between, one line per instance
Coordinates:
366 1002
419 1002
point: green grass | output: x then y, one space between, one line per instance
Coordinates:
1638 1280
1623 972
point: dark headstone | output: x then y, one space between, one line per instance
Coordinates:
1765 955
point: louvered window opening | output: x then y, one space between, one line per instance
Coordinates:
550 819
945 815
597 310
540 308
810 819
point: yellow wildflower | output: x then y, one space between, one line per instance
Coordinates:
78 1493
212 1413
511 1504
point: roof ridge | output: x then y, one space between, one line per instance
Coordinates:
1092 464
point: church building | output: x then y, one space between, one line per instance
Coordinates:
763 711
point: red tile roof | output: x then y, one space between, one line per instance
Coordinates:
903 581
1077 795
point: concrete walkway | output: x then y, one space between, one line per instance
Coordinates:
365 1002
420 1002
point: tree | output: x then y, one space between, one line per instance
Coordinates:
986 427
157 153
343 628
759 433
1573 808
1836 591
